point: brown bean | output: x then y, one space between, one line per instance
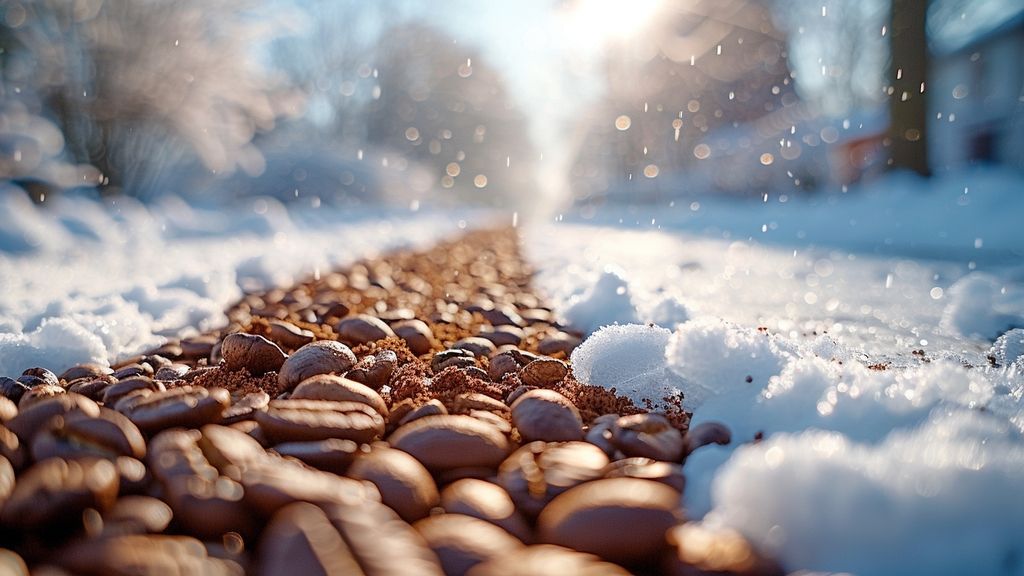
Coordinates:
76 434
486 501
462 542
623 520
331 455
8 409
404 484
339 389
362 328
187 407
320 357
30 420
309 420
544 414
288 335
697 548
57 491
448 441
547 560
539 471
115 392
432 407
375 371
480 347
87 370
543 373
137 515
251 352
245 408
141 554
647 435
706 433
417 335
668 473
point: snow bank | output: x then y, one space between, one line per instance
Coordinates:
89 280
983 306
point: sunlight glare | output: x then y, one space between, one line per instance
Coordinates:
599 21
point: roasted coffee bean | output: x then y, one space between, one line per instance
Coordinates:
12 449
375 371
31 420
480 347
468 401
502 315
142 554
251 352
647 435
228 450
92 388
57 491
38 393
501 335
544 414
559 342
462 542
404 484
417 335
668 473
539 471
137 515
543 373
339 389
362 328
87 370
76 434
274 483
358 538
547 560
288 335
623 520
12 389
12 564
697 549
198 347
171 372
245 408
42 376
533 316
452 357
187 407
430 408
320 357
133 476
501 365
310 420
706 433
8 409
493 419
446 442
599 434
117 391
515 394
7 480
486 501
133 371
331 455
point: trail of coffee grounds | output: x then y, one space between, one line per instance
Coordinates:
470 286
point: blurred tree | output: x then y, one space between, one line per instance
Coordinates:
908 74
138 88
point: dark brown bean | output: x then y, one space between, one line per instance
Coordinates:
648 435
251 352
446 442
501 365
706 433
320 357
486 501
115 392
12 389
452 357
543 373
375 371
623 520
87 370
76 434
547 560
417 335
8 409
404 484
468 401
501 335
310 420
339 389
539 471
44 376
299 539
57 491
37 394
137 515
12 449
331 455
362 328
430 408
148 554
599 434
462 542
288 335
668 473
697 548
560 342
544 414
187 407
245 408
30 420
480 347
274 483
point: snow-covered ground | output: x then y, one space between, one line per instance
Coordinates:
892 444
88 281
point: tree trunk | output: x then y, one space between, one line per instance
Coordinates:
908 72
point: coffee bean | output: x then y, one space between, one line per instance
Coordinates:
332 455
245 408
647 435
668 473
456 357
254 353
137 515
273 483
8 409
87 370
486 501
462 542
31 420
299 539
57 491
543 373
539 471
501 335
93 389
698 548
480 347
417 335
515 394
310 420
559 342
599 434
500 365
623 520
502 314
141 554
12 449
76 434
468 401
187 407
320 357
544 414
171 372
12 389
38 393
7 480
228 450
132 371
42 375
133 476
404 484
446 442
339 389
198 347
430 408
288 335
362 328
547 560
375 371
117 391
493 419
706 433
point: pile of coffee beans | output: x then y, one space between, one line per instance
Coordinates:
413 414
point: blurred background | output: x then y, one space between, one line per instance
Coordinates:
538 105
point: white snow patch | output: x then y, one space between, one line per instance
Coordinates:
1009 348
983 306
607 301
59 342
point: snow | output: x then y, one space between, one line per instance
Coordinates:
91 280
866 337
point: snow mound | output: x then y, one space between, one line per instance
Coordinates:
629 358
666 311
982 306
940 499
1008 348
723 358
607 301
57 343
